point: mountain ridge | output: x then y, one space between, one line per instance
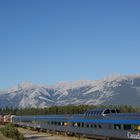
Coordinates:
114 90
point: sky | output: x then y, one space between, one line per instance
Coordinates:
48 41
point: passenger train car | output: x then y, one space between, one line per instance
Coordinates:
98 123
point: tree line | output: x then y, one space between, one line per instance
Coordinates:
55 110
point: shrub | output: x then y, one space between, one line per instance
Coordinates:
11 132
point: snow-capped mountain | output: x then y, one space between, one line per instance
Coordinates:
115 90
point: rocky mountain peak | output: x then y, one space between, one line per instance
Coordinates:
114 89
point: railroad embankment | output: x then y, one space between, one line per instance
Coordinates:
3 137
12 132
34 135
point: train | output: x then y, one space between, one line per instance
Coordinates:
99 123
5 119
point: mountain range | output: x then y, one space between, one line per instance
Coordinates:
112 90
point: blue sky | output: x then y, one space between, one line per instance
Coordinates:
47 41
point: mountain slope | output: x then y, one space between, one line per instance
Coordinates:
115 90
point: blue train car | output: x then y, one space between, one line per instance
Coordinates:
99 123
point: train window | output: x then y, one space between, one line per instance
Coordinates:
117 126
127 126
55 123
91 125
95 126
59 123
52 123
136 127
82 125
107 111
91 113
94 112
117 111
73 124
100 112
87 125
113 111
78 124
100 126
65 124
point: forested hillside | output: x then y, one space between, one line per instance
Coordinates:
70 109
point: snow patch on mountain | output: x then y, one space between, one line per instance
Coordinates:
114 89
